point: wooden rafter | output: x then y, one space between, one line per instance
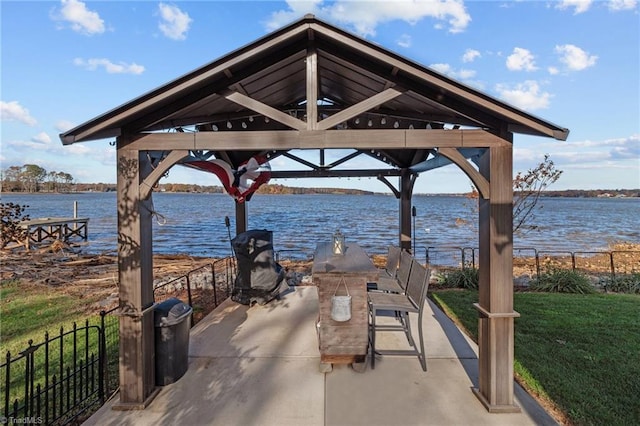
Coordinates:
359 108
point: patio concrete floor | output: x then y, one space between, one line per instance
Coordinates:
259 365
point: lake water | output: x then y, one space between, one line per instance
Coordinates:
195 223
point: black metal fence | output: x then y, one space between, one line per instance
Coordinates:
217 278
532 262
72 373
62 378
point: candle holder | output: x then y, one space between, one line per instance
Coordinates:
338 243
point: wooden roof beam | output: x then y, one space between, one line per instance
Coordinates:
312 89
266 110
358 108
290 139
329 173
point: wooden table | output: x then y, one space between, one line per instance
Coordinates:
343 342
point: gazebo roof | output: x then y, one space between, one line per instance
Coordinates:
270 78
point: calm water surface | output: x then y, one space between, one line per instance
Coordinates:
194 223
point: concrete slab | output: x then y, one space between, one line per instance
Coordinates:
398 392
281 328
233 391
260 366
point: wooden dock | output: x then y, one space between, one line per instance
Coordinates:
54 228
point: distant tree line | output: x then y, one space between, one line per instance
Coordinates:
33 178
602 193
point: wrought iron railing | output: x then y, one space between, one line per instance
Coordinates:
68 376
217 277
609 263
60 379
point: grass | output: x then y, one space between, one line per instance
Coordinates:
26 314
21 305
580 353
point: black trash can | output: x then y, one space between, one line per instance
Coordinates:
172 319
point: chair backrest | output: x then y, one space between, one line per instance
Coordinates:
418 284
404 269
393 260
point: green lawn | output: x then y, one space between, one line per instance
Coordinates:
27 313
582 352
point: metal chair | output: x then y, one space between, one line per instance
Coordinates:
393 261
413 301
397 283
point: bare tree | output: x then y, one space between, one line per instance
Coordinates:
12 214
527 188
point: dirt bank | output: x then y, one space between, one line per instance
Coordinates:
95 277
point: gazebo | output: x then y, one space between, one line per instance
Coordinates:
312 86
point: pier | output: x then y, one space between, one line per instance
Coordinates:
54 228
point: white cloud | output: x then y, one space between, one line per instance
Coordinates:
80 19
404 41
41 141
174 22
446 69
553 70
111 68
579 6
470 55
78 149
521 59
64 125
618 148
618 5
364 17
527 95
575 58
42 138
13 111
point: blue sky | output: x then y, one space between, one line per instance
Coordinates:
573 63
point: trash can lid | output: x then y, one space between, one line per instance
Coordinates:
170 312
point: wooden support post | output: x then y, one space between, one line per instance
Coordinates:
407 180
135 273
241 217
495 307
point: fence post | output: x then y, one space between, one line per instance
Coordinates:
103 374
213 282
46 374
7 386
613 268
189 290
